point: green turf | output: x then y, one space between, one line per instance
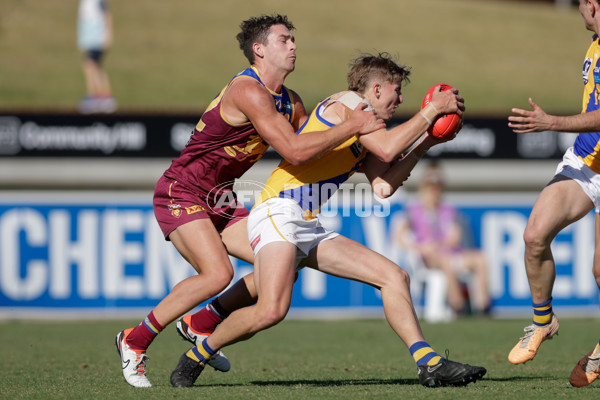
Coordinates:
176 55
347 359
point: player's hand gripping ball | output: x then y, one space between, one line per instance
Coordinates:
447 124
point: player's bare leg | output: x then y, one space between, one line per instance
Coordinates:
235 238
210 260
198 326
348 259
560 203
274 279
215 272
274 276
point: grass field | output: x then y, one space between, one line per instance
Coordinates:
298 359
176 55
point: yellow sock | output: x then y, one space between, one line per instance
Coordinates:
542 313
424 354
199 354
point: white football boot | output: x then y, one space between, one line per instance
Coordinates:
132 362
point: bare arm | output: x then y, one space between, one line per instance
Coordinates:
385 178
387 145
537 120
250 99
300 115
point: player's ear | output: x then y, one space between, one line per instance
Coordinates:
258 50
376 89
592 4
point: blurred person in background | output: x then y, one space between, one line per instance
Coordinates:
94 38
194 202
433 228
569 196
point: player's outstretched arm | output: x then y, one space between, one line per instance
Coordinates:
257 104
537 120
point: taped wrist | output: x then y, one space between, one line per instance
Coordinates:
429 113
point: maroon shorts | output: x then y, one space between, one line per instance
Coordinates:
175 204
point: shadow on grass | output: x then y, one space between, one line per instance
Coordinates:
522 378
319 383
338 382
366 382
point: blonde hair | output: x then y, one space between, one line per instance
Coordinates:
367 67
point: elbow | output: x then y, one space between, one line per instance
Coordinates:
293 156
383 190
386 155
389 158
297 157
295 160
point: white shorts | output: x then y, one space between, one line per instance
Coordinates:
282 220
573 167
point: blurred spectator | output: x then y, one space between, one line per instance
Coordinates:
94 37
434 230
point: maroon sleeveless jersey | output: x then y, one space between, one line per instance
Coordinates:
218 152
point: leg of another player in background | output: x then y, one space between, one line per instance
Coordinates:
560 203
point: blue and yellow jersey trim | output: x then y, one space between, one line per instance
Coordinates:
283 101
314 182
587 145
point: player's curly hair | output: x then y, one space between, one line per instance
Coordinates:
256 30
367 67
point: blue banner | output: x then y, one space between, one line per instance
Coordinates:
104 251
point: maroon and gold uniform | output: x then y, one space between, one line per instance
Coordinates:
199 183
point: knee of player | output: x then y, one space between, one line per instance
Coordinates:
398 277
534 239
273 314
221 279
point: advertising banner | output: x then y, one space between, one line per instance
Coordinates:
103 253
156 135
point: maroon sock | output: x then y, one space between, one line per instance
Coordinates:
206 320
142 335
